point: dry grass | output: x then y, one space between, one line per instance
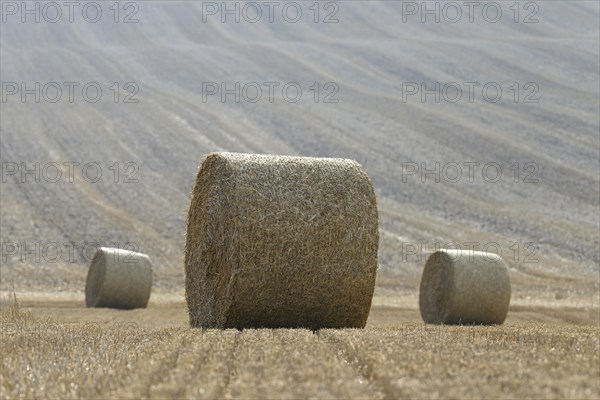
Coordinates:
114 358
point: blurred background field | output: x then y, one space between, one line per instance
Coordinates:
547 231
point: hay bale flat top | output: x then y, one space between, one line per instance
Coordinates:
281 241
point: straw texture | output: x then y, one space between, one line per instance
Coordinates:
119 279
278 241
462 286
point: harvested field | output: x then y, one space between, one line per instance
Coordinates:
58 349
405 95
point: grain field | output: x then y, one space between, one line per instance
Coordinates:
57 349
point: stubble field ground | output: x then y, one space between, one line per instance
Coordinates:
54 347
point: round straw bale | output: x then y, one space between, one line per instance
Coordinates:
278 241
119 279
464 286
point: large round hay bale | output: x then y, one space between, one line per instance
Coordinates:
464 286
278 241
119 279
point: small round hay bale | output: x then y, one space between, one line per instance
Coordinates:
118 279
278 241
464 286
